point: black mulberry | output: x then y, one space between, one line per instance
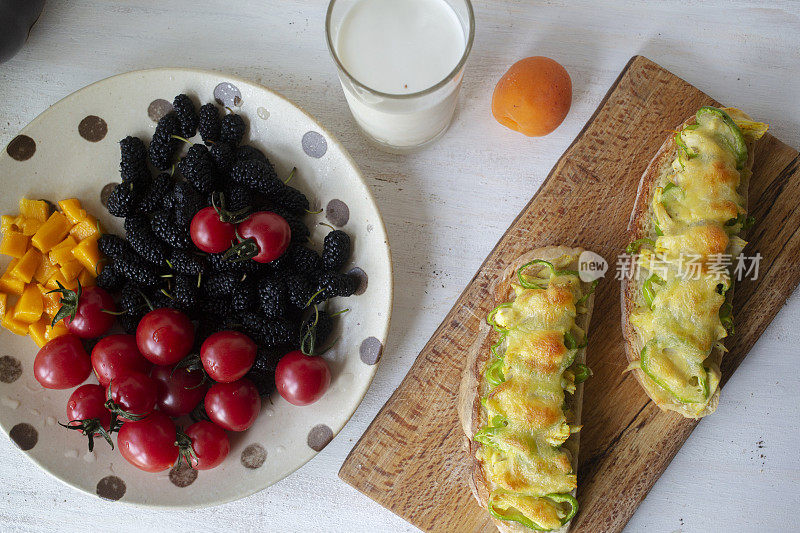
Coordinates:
336 249
305 260
186 202
137 271
187 116
143 240
223 156
332 284
109 279
113 246
153 197
256 176
198 168
210 123
246 152
300 233
232 129
221 284
314 331
272 297
163 145
133 160
168 231
243 296
291 200
185 262
185 291
122 200
299 291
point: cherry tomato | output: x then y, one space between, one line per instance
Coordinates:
227 355
210 445
302 379
116 355
149 443
211 234
165 336
271 233
89 305
87 402
62 363
234 406
134 394
180 391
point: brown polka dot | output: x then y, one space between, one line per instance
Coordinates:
371 350
182 475
228 94
105 192
93 128
254 456
319 437
24 435
337 213
21 148
10 369
362 279
111 488
158 108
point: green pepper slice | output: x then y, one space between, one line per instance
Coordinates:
571 343
550 267
726 317
588 293
683 379
518 517
494 373
732 139
648 291
487 435
683 146
490 317
582 373
635 246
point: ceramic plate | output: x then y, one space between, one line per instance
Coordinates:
71 150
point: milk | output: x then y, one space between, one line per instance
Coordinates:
400 47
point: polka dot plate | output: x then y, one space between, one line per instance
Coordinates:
71 150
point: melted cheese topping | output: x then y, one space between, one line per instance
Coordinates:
692 206
525 461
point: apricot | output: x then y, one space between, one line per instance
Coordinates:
533 97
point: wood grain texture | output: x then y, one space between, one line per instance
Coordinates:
411 458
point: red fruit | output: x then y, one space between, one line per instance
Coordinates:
228 355
84 311
149 443
179 391
210 445
211 234
62 363
233 406
116 355
165 336
86 412
133 395
302 379
270 232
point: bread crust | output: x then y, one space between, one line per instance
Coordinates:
473 385
631 289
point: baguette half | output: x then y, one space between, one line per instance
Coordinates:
474 386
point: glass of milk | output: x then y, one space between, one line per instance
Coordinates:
400 63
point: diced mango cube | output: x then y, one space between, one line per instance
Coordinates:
72 209
37 331
14 326
87 253
62 254
6 223
35 209
11 284
52 301
71 270
52 232
57 331
57 278
28 226
46 270
86 279
3 304
27 265
85 228
14 244
30 305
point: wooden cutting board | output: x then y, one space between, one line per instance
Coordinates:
411 459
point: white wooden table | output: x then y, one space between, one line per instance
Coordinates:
445 208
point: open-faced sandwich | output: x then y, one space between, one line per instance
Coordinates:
520 397
686 231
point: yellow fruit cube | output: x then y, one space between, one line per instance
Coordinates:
46 270
52 232
86 228
72 209
86 279
61 255
14 244
30 306
51 333
52 301
28 226
14 326
11 284
57 278
7 223
3 304
35 209
27 265
37 332
71 270
87 253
